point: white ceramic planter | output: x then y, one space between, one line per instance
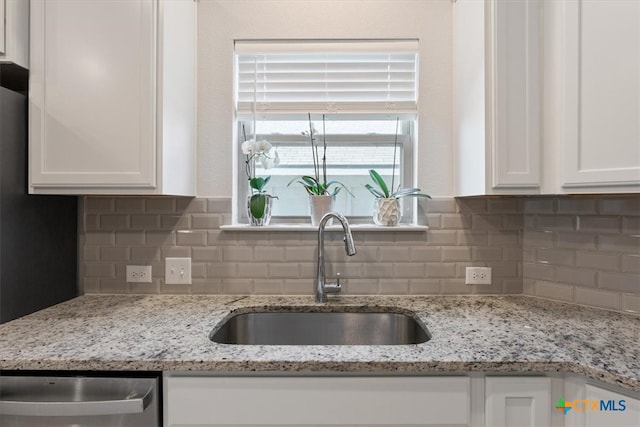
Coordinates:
266 215
387 211
319 206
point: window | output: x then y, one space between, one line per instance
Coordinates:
360 88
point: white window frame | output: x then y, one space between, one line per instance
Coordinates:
405 162
407 141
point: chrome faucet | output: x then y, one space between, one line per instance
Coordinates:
322 288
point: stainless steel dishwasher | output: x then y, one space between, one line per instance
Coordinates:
56 401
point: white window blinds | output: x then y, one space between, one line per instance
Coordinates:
327 77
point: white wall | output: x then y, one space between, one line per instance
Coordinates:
222 21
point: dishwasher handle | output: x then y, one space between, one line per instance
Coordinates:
76 408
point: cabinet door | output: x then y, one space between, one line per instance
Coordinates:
497 97
616 411
331 401
3 29
518 401
514 120
601 94
14 32
92 97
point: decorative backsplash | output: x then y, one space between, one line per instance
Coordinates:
584 250
471 232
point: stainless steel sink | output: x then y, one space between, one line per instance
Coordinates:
321 328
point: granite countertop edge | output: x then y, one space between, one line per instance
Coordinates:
501 334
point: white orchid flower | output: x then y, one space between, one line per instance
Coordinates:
269 160
263 146
249 146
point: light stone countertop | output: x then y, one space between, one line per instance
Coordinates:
469 334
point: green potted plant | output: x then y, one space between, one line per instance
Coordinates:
259 202
386 207
321 191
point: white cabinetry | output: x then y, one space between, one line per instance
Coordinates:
337 401
112 97
592 95
497 63
518 401
594 406
14 32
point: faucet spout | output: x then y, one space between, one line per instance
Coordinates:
322 288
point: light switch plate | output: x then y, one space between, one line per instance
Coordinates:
177 271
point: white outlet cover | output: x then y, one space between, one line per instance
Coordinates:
139 273
478 276
177 271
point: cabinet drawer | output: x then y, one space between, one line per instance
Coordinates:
235 401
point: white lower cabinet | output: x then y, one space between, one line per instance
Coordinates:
326 401
518 401
474 400
592 406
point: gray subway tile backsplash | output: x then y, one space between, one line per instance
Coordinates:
584 250
577 206
631 263
598 261
631 225
601 224
601 233
619 282
631 303
598 298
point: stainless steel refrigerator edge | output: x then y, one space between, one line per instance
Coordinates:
38 234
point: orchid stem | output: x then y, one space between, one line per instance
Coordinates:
393 170
314 151
324 154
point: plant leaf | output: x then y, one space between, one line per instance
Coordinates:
258 183
409 192
376 193
375 176
257 205
341 185
310 181
426 196
405 192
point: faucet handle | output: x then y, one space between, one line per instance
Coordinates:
332 288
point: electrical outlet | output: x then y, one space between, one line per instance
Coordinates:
139 273
177 271
478 276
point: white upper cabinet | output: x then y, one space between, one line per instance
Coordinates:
497 63
112 97
14 32
547 102
592 95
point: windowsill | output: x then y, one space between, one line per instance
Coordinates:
335 227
